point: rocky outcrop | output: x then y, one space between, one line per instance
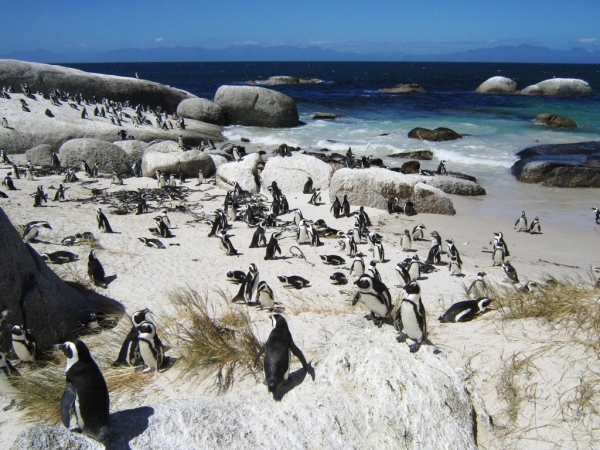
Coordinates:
245 172
423 155
134 149
368 392
497 85
438 135
40 155
325 116
452 185
33 295
46 78
560 165
411 167
403 89
201 109
108 156
559 86
167 157
256 106
284 79
292 172
373 187
554 121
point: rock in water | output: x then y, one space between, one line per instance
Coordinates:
497 85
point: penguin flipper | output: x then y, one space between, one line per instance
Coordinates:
67 401
298 354
122 358
260 352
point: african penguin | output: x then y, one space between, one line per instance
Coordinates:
358 266
375 296
265 296
466 310
151 350
103 224
510 272
521 223
478 288
410 319
23 344
417 232
294 281
405 241
535 227
96 271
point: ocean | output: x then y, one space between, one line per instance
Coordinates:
374 123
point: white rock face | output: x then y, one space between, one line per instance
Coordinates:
559 86
201 109
292 172
135 149
498 85
369 392
108 156
373 187
257 106
156 157
245 172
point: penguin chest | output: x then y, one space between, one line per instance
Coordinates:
498 256
357 269
414 272
266 299
405 243
22 351
223 245
375 304
78 416
302 235
149 354
410 320
465 315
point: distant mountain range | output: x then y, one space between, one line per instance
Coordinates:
523 53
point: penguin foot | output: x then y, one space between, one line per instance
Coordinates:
378 322
402 337
370 316
414 347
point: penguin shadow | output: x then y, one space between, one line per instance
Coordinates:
422 278
128 424
411 250
461 275
109 279
295 379
441 263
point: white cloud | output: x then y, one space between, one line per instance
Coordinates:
588 41
159 39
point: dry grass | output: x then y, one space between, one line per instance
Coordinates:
298 303
214 338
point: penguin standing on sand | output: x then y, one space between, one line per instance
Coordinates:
8 182
435 251
315 199
252 281
402 273
500 242
379 252
39 196
466 310
510 272
376 297
391 204
405 241
32 229
130 351
278 350
85 393
372 270
535 227
23 344
7 372
308 186
336 207
521 223
346 207
265 296
259 238
225 244
357 268
596 214
151 349
273 246
103 224
454 267
95 270
410 318
478 288
60 193
453 251
414 270
417 232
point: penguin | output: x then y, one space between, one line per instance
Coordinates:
29 172
350 245
466 310
162 180
130 351
96 271
259 238
478 288
379 253
39 196
225 244
441 170
499 242
338 278
414 270
7 372
32 229
521 223
154 243
372 270
410 318
405 241
15 172
60 257
23 344
236 276
402 273
55 160
334 260
409 209
313 236
116 179
4 123
596 214
417 232
294 281
48 113
86 168
103 224
163 229
151 353
308 186
265 296
315 199
364 217
535 227
298 216
349 159
391 204
453 251
356 235
498 256
273 246
455 266
435 251
510 272
376 297
336 207
8 182
60 193
230 212
357 268
346 207
278 350
284 206
85 393
373 239
302 232
252 281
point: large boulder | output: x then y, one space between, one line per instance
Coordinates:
292 172
424 155
438 135
559 86
497 85
201 109
108 156
31 294
560 165
40 155
46 78
284 79
368 392
257 106
450 184
244 172
554 121
166 156
373 187
134 148
403 89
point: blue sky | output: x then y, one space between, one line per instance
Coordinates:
409 26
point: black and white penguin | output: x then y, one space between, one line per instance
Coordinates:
402 273
315 199
346 207
498 256
252 281
410 318
39 196
521 223
95 270
379 252
466 310
302 232
273 246
103 224
116 179
406 241
596 214
409 209
308 186
153 243
225 244
7 374
86 168
32 230
60 193
417 232
338 278
60 257
364 217
298 216
313 236
349 158
499 241
454 267
375 296
535 227
478 288
336 207
334 260
372 270
391 204
441 170
259 238
510 272
15 172
85 393
414 269
151 349
278 350
130 351
236 276
435 251
294 281
8 182
453 251
23 344
265 296
162 228
357 268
